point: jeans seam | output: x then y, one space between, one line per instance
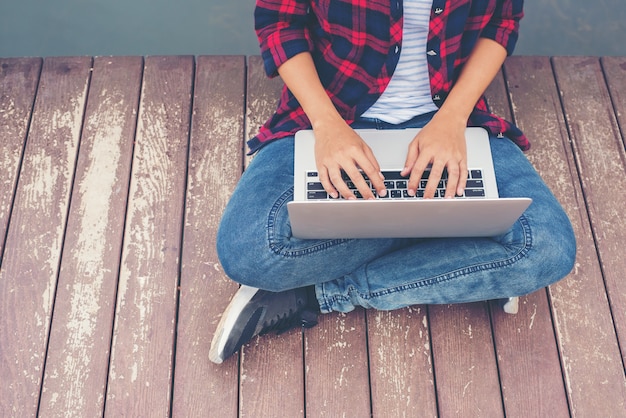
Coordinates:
443 277
277 245
467 270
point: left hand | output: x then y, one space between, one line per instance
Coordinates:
441 144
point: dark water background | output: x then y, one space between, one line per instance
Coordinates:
197 27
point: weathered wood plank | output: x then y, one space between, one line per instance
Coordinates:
466 373
528 358
80 337
599 152
18 84
336 367
580 311
270 358
615 72
202 388
32 254
140 376
401 368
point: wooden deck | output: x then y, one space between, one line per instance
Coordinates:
114 173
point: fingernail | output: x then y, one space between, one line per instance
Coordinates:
382 193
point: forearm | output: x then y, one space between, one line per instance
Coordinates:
337 146
479 71
300 76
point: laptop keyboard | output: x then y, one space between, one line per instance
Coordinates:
396 186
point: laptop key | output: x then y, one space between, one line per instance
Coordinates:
317 195
393 175
474 193
314 186
474 184
476 174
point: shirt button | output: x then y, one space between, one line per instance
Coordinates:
432 53
397 49
438 11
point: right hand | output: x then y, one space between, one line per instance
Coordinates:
338 147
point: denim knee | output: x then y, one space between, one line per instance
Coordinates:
553 253
242 260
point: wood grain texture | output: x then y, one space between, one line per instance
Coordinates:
140 376
18 83
526 349
464 359
402 378
599 150
615 72
78 353
336 366
28 278
270 358
581 315
78 136
599 153
202 388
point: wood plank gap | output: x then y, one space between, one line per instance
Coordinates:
201 387
77 364
369 368
141 358
28 278
123 229
15 167
577 165
599 149
192 98
614 99
529 387
433 363
62 247
491 305
578 155
578 302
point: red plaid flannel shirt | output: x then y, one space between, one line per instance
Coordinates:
356 45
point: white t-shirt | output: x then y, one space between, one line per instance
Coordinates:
408 93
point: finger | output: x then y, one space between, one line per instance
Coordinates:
416 174
327 184
371 168
433 180
340 184
359 181
453 180
460 189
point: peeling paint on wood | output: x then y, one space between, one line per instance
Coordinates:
35 236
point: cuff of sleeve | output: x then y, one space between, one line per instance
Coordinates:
505 36
275 57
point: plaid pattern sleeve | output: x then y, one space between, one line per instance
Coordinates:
282 30
356 45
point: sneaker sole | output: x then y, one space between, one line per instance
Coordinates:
228 320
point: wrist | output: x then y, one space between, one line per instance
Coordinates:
325 118
455 117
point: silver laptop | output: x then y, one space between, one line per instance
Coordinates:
480 212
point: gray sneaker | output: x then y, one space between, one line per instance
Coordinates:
254 312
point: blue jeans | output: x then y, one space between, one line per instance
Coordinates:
256 248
